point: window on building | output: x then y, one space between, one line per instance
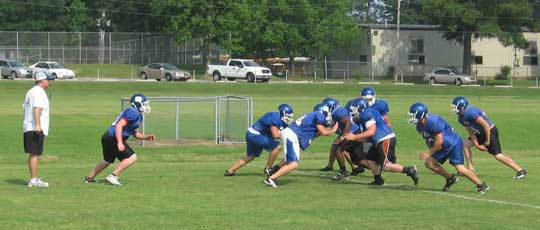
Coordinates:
363 58
417 59
532 49
478 60
530 60
531 54
417 45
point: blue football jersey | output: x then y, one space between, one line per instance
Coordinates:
469 116
305 127
340 113
268 120
134 119
434 125
381 106
371 117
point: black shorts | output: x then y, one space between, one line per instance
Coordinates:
382 151
494 147
355 150
33 142
110 148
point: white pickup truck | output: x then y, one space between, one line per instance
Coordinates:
240 69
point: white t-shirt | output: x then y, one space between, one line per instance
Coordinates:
36 97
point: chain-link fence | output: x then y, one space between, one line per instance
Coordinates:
381 54
97 48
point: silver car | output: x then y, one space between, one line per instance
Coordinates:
165 71
448 76
14 69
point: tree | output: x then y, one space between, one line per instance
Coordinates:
465 20
77 18
302 28
206 20
32 16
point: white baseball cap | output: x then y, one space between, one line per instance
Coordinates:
42 76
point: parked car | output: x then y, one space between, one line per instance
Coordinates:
160 71
240 69
14 69
446 75
54 69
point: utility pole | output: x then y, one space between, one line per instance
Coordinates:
103 23
397 69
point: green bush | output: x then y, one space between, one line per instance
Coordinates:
505 73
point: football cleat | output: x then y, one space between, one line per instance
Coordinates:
89 180
483 188
357 170
270 182
377 182
342 175
521 174
326 169
112 179
413 173
449 182
227 173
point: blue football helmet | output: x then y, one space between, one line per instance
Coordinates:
286 113
140 102
356 106
459 104
322 108
417 112
368 93
332 103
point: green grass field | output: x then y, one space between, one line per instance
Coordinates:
182 187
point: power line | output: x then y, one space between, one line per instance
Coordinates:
214 19
192 5
164 15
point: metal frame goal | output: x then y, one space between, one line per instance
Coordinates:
219 119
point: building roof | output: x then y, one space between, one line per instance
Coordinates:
401 26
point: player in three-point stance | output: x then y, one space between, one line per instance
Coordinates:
261 136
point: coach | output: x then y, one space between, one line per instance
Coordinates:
36 125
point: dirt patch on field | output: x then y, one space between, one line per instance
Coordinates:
172 143
49 158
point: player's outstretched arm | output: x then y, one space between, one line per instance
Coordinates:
141 136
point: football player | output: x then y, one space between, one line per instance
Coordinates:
261 136
381 106
381 156
341 116
444 144
483 134
299 135
114 140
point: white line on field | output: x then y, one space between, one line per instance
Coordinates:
432 192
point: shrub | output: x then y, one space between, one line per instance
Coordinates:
505 73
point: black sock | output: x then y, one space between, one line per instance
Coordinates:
113 174
274 169
378 177
342 168
405 170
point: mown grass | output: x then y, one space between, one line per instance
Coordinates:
182 187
